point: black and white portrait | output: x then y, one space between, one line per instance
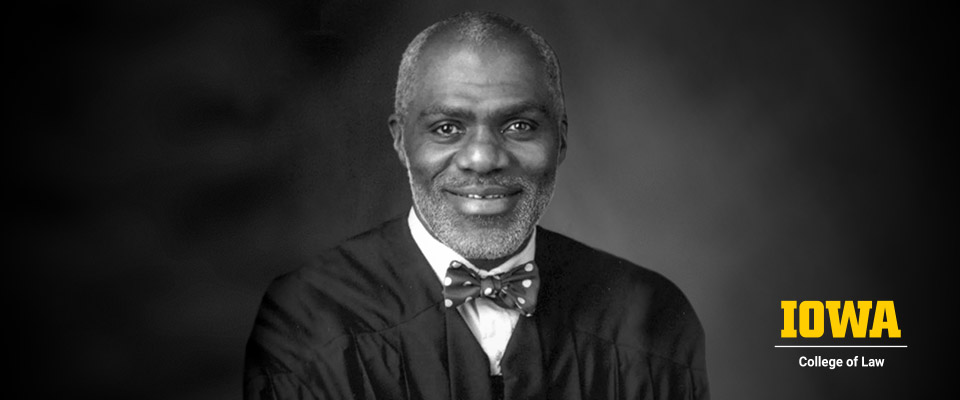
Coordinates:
440 200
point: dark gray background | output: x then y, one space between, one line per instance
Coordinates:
172 157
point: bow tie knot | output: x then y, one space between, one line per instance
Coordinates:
490 285
514 289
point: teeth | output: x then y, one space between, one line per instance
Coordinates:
492 196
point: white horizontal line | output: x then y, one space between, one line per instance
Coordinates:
861 346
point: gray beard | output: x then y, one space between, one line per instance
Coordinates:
482 237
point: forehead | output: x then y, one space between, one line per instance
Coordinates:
501 70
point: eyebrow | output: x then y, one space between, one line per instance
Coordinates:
524 107
458 112
440 109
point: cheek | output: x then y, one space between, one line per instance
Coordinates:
424 161
536 158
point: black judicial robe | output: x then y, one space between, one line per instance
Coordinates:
366 320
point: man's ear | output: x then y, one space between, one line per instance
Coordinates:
563 140
395 123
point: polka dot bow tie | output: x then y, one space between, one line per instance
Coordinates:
514 289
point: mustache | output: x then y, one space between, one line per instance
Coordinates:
484 180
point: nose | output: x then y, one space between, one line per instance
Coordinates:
482 152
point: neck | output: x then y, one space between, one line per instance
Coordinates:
488 264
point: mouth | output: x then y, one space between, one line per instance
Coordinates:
483 192
480 196
483 199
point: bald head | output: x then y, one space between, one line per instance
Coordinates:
477 30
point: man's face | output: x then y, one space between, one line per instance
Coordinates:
481 145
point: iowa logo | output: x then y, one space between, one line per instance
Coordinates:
812 319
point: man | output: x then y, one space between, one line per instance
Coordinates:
465 297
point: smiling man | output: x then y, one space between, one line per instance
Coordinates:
466 297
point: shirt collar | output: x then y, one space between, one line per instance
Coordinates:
439 255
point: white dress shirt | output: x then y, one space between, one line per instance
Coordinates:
491 324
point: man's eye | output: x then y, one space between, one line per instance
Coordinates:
447 130
519 126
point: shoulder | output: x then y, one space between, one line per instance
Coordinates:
343 264
622 302
307 316
610 276
359 285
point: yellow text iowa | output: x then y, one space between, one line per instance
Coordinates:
811 319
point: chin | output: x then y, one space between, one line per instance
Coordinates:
477 236
485 244
481 236
474 236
